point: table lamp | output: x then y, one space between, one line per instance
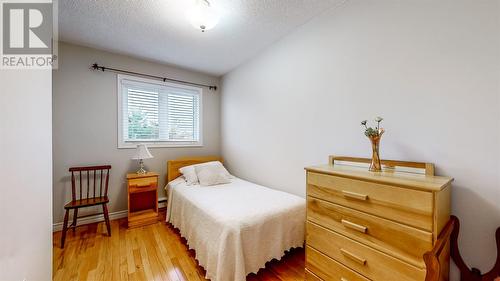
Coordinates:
142 153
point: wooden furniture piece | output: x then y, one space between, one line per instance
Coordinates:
142 199
439 255
93 190
173 166
365 225
473 274
449 236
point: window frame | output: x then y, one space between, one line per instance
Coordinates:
122 144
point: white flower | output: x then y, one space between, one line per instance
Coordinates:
379 119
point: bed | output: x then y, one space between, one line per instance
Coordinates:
234 228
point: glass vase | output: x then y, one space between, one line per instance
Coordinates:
375 165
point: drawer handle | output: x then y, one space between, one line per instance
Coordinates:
354 195
353 257
354 226
343 279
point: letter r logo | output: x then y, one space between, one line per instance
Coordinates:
27 28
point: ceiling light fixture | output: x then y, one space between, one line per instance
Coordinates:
203 16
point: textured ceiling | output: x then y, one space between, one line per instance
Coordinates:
158 30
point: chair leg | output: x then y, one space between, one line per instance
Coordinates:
75 216
65 228
106 217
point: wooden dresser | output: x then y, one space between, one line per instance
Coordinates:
364 225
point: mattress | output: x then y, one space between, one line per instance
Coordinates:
236 228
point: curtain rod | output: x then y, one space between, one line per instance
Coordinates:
95 66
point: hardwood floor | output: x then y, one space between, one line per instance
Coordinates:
155 252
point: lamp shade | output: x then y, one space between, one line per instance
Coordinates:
142 152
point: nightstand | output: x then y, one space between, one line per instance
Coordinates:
142 199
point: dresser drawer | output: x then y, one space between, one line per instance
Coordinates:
401 241
363 259
311 276
322 267
408 206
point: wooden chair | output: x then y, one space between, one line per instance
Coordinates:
448 241
90 194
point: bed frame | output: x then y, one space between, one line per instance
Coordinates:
173 166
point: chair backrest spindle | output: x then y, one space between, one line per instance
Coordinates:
80 198
73 197
100 185
88 183
107 182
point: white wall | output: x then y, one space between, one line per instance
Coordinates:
431 68
85 122
26 173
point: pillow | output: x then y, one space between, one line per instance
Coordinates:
189 174
217 164
212 174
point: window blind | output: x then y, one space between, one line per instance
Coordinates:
158 113
182 118
142 115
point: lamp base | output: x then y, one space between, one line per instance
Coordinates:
141 171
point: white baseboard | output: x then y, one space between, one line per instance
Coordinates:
98 218
92 219
163 204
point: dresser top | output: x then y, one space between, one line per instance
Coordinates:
406 179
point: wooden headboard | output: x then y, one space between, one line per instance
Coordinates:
173 166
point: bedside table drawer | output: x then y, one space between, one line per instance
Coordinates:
143 182
412 207
382 234
363 259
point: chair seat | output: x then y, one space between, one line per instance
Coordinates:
87 202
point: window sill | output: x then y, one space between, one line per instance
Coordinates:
158 145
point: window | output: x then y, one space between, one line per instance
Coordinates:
156 113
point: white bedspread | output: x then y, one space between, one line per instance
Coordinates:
236 228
